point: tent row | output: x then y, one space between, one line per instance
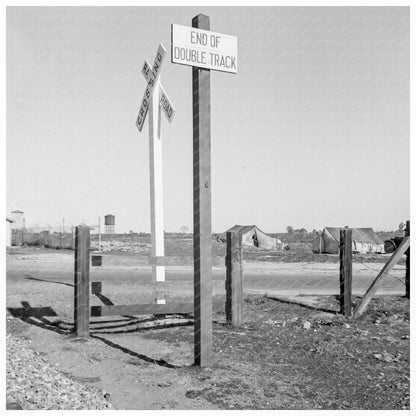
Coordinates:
364 240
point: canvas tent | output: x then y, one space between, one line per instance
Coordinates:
253 236
364 240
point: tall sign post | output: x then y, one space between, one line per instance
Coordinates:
196 46
154 99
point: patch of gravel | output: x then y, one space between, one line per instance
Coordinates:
33 383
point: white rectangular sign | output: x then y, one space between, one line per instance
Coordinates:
204 49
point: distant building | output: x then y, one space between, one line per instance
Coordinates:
18 220
9 223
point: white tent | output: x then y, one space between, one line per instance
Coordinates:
253 236
364 240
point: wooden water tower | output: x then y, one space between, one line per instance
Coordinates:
109 222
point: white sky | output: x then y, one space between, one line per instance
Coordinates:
313 131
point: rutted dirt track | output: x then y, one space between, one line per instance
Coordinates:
286 356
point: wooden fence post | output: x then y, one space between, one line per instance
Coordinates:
82 281
234 306
345 252
407 234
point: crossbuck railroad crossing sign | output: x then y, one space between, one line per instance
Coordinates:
155 98
152 75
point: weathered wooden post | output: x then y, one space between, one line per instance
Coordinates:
201 93
345 252
408 262
234 306
82 281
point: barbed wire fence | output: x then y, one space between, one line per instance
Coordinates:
321 282
346 278
58 236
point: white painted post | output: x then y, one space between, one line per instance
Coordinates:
153 97
156 193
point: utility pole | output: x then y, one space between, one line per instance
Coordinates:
99 233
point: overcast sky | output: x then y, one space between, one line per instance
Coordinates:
312 131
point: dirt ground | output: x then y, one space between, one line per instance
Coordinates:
295 353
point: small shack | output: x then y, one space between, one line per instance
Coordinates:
254 237
364 241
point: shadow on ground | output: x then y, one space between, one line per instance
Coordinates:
40 317
304 305
29 277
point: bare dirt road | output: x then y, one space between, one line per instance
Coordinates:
35 276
